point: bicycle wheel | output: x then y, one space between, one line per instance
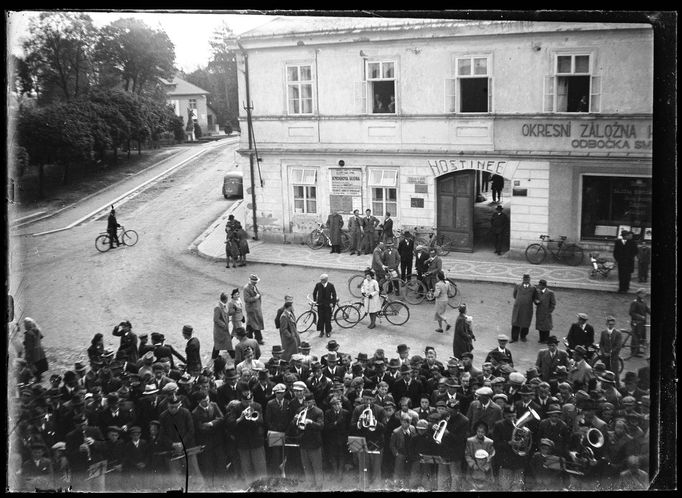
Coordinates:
396 312
415 291
315 240
306 320
626 346
347 316
621 366
129 238
571 254
393 287
454 296
535 254
443 244
355 284
345 242
102 243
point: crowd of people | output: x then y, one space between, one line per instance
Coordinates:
147 417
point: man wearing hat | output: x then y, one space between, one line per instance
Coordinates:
222 340
228 391
482 409
406 253
84 445
163 350
324 294
510 465
306 358
128 342
501 352
332 370
360 426
192 350
545 303
143 347
522 312
309 429
319 385
526 402
243 342
115 456
610 343
114 415
410 385
262 388
624 252
498 227
630 386
639 309
549 359
280 310
253 309
391 260
581 333
288 333
297 368
209 430
554 428
37 472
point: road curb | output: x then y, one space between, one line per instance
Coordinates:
194 246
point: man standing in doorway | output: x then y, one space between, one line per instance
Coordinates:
324 295
355 230
498 227
497 185
522 312
624 252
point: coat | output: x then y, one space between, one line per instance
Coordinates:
577 336
33 349
406 250
498 223
545 304
391 258
221 333
288 335
192 351
546 365
624 254
325 296
388 229
461 341
235 310
522 312
355 224
335 223
252 306
478 413
370 289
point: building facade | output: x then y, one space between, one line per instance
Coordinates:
410 116
187 98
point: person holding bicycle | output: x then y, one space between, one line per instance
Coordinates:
112 228
639 309
435 265
370 292
325 297
610 342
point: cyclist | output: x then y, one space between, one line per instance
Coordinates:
112 228
435 265
391 260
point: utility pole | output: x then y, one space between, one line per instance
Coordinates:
248 107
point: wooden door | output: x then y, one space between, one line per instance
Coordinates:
455 201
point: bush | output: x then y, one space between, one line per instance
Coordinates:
228 128
197 131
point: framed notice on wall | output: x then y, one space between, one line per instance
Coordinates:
341 203
345 189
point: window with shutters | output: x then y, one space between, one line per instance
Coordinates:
470 91
384 185
299 89
572 87
377 93
304 182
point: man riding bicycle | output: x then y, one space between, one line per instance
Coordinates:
112 228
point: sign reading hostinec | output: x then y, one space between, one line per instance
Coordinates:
345 181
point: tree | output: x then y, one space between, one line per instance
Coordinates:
58 53
136 53
223 65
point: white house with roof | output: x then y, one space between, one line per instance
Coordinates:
187 98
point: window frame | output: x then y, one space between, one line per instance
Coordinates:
305 178
452 90
385 183
550 83
367 83
299 83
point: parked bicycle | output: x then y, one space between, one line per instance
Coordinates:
601 267
441 242
593 355
125 237
570 254
319 238
626 348
308 318
396 312
411 289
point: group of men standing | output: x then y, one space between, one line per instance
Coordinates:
363 231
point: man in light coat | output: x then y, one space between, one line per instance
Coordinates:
222 341
253 309
545 303
522 312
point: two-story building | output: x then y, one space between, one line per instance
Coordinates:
187 98
405 116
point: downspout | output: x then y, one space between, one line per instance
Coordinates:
248 121
317 96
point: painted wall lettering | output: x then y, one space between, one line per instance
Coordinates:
495 166
592 134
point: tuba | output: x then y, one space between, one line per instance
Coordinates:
440 431
582 459
301 418
522 439
368 420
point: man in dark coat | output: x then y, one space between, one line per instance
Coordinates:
324 294
510 464
128 344
387 228
498 227
464 335
406 252
624 252
208 428
355 230
192 350
248 433
496 186
359 426
550 358
639 309
334 224
310 433
369 225
581 333
335 434
253 308
545 303
277 420
500 353
522 312
112 228
482 409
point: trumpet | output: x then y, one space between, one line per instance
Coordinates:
250 414
522 439
368 420
440 431
301 418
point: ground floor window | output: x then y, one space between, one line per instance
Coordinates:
305 199
614 203
384 200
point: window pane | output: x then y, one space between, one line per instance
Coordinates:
563 64
392 208
374 70
312 192
306 91
292 73
295 109
464 67
378 209
299 206
306 73
389 71
309 177
389 178
481 66
392 194
298 192
377 194
582 63
293 92
312 207
307 106
375 177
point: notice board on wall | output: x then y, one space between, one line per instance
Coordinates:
341 203
345 189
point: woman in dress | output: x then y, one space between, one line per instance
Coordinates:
235 310
96 349
440 293
243 243
370 291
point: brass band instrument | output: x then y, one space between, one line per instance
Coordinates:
301 418
584 457
368 420
250 414
522 439
440 431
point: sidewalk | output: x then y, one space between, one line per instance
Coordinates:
479 266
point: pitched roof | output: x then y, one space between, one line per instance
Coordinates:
179 86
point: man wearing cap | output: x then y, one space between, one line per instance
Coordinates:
276 419
610 343
355 231
135 456
244 421
253 309
391 260
37 472
128 342
360 426
324 294
624 252
498 227
510 465
309 429
501 351
554 428
549 359
639 309
542 477
581 333
482 409
522 312
545 303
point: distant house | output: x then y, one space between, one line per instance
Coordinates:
185 96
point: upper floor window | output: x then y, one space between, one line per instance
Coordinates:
471 89
377 93
300 89
572 87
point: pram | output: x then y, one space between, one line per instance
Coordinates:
601 267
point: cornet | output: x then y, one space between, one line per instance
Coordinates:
368 420
250 414
301 418
440 431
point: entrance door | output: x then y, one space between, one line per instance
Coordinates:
455 201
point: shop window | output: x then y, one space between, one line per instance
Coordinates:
572 87
377 93
471 89
300 89
613 203
384 183
305 190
